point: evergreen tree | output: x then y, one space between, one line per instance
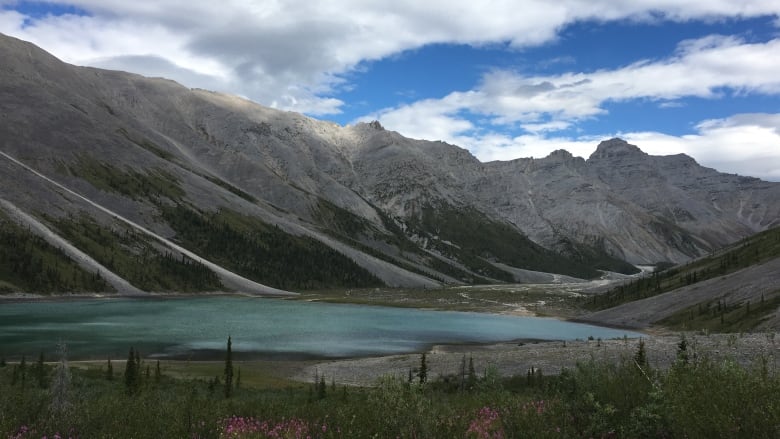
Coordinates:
423 374
23 371
682 351
2 362
641 355
315 385
472 378
238 379
131 372
40 372
158 372
61 383
137 367
321 388
462 384
229 368
109 371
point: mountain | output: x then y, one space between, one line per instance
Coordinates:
120 173
735 289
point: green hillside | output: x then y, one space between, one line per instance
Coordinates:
30 264
753 250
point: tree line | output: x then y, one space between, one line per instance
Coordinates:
263 252
29 263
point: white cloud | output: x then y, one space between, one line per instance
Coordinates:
745 144
432 119
542 105
295 53
499 147
700 68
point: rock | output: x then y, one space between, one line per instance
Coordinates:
227 152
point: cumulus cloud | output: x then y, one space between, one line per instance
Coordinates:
297 54
294 54
745 144
700 68
541 105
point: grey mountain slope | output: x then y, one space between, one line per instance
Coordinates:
227 152
228 278
83 259
641 208
748 284
103 115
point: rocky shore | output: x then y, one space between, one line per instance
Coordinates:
517 358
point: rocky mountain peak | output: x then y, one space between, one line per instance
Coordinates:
410 212
556 158
616 147
561 154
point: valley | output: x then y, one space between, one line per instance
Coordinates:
623 290
158 170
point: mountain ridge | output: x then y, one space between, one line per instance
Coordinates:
391 205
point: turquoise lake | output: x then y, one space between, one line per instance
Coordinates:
197 328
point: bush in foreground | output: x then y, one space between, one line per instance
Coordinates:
692 399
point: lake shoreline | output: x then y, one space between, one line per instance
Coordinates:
29 297
516 312
516 359
392 333
507 359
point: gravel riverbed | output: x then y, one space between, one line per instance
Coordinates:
517 358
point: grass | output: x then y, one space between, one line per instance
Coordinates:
340 221
146 144
548 300
260 375
230 188
152 185
694 398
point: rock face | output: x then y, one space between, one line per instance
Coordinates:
412 212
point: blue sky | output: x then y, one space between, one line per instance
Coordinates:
504 79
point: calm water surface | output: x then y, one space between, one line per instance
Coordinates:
261 328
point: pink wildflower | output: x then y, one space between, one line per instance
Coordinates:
486 425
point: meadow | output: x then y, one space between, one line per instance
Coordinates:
695 397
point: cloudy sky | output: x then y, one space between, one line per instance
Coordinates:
504 79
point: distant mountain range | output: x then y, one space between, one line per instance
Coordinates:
146 185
